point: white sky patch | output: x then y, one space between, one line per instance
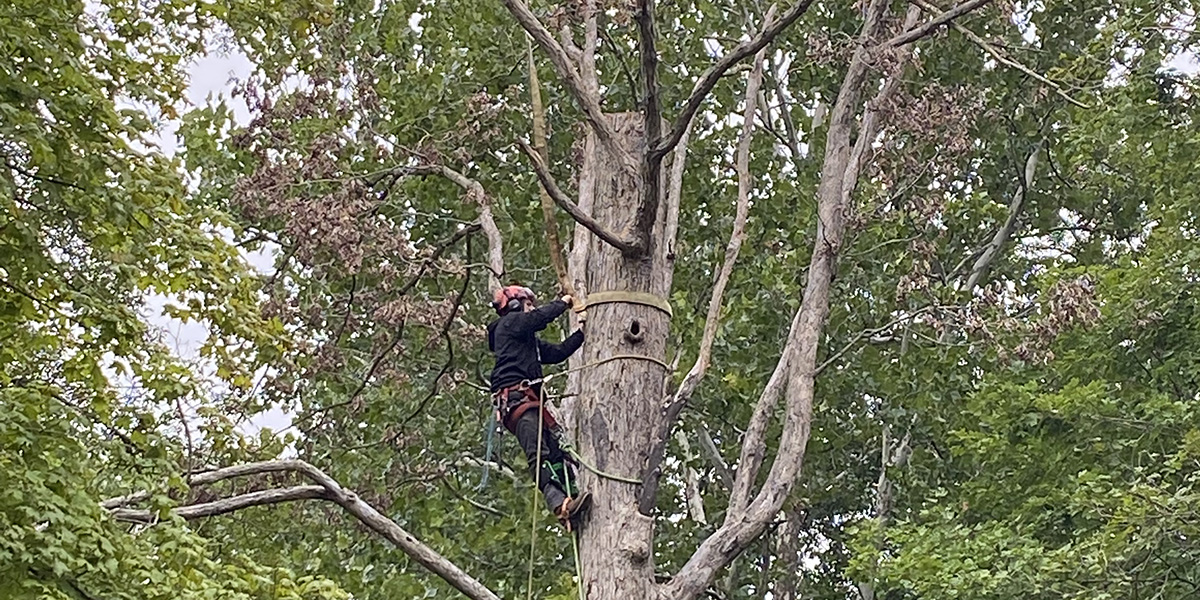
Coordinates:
210 81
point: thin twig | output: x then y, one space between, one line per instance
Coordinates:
445 333
1004 59
43 178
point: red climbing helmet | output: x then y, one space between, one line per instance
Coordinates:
510 297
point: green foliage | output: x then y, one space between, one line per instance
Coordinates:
92 223
1050 413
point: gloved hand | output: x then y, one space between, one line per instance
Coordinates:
568 300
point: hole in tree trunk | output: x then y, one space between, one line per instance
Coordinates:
633 335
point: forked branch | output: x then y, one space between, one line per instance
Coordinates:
746 519
566 69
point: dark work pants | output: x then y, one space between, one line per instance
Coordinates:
526 430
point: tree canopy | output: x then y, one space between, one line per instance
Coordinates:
1005 398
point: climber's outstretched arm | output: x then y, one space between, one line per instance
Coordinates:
552 354
538 318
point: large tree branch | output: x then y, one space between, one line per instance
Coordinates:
692 380
575 84
326 488
543 174
708 80
797 367
652 116
912 34
674 196
754 442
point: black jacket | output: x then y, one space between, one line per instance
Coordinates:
519 353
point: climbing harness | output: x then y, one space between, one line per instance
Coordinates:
509 410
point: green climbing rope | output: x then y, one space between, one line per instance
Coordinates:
598 472
602 361
575 549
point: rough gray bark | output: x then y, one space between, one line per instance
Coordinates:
618 401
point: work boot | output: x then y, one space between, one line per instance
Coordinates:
573 509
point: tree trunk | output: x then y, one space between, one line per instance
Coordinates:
620 401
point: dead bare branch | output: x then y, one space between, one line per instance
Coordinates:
796 371
566 69
226 505
708 80
913 34
560 198
326 488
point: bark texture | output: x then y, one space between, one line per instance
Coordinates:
619 402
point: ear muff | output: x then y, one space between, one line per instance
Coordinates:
510 298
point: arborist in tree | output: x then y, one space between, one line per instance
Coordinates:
517 392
